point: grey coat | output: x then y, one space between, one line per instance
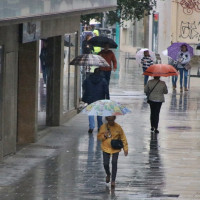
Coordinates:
157 95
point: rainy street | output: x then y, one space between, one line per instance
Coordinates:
66 164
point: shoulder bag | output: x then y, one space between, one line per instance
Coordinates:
187 66
115 144
148 101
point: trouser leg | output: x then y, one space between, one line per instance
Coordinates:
185 77
106 161
114 165
91 122
181 77
155 111
99 121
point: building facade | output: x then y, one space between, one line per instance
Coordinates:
23 25
174 21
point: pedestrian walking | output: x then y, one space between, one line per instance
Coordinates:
174 78
44 62
96 49
109 56
183 58
155 89
108 131
95 87
146 61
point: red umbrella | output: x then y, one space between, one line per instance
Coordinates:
161 70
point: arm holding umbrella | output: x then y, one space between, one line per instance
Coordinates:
114 61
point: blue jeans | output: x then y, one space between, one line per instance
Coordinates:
174 80
145 77
183 73
92 122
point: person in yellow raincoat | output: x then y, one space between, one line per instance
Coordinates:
107 132
96 49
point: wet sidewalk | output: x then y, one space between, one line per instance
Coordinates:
66 164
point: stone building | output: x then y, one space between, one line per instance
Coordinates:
23 23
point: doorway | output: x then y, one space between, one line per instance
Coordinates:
42 85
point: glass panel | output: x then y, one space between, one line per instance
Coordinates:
69 73
66 72
1 85
72 73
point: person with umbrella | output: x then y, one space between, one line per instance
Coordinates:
109 56
155 90
183 57
108 131
146 61
96 48
95 87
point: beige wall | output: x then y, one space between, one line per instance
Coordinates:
60 26
186 22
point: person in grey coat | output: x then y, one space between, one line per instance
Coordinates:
156 98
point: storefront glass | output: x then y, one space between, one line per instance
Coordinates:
69 73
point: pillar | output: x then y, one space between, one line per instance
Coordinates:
27 93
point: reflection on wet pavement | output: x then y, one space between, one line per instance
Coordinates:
67 163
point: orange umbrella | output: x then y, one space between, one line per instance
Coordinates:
161 70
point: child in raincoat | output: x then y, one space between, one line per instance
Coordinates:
107 132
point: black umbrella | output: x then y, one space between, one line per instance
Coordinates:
198 46
100 41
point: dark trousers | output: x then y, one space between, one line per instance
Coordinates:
44 73
155 111
106 162
107 75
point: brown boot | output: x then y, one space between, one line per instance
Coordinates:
181 89
174 87
107 178
186 89
113 184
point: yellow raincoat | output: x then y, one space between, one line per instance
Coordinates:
117 133
96 49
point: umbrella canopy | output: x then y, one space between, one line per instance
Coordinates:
176 47
165 52
105 108
161 70
100 41
140 55
89 60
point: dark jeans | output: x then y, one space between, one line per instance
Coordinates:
106 162
107 75
145 76
155 111
44 73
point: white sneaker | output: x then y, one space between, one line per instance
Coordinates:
44 85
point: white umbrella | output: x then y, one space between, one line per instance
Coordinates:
165 52
140 55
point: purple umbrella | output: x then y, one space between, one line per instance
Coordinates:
176 47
